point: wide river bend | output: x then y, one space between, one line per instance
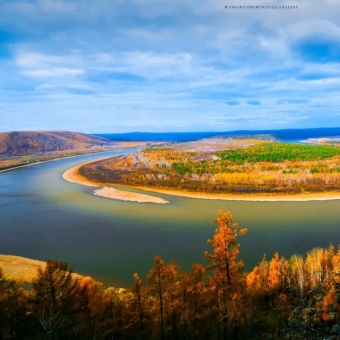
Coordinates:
42 216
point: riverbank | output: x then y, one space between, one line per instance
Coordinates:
72 175
322 196
65 154
14 167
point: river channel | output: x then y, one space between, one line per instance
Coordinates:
42 216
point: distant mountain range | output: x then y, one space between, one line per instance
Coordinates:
19 143
287 135
34 142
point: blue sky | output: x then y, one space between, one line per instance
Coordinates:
180 65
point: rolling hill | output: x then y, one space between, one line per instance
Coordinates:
36 142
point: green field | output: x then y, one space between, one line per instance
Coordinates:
279 152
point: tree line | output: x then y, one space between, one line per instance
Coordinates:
296 298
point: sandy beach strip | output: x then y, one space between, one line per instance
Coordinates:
322 196
72 175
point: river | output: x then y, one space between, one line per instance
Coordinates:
42 216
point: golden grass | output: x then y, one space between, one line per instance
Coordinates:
22 269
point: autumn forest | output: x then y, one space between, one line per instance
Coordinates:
295 298
226 166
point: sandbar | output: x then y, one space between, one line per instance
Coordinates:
317 196
128 196
72 175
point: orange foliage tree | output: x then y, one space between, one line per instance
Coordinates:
226 268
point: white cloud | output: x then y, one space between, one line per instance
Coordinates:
36 59
52 72
147 59
57 5
39 65
181 59
145 34
312 27
145 64
54 86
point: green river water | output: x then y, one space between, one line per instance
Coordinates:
42 216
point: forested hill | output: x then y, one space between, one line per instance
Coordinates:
34 142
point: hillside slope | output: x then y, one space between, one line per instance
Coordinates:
35 142
23 269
